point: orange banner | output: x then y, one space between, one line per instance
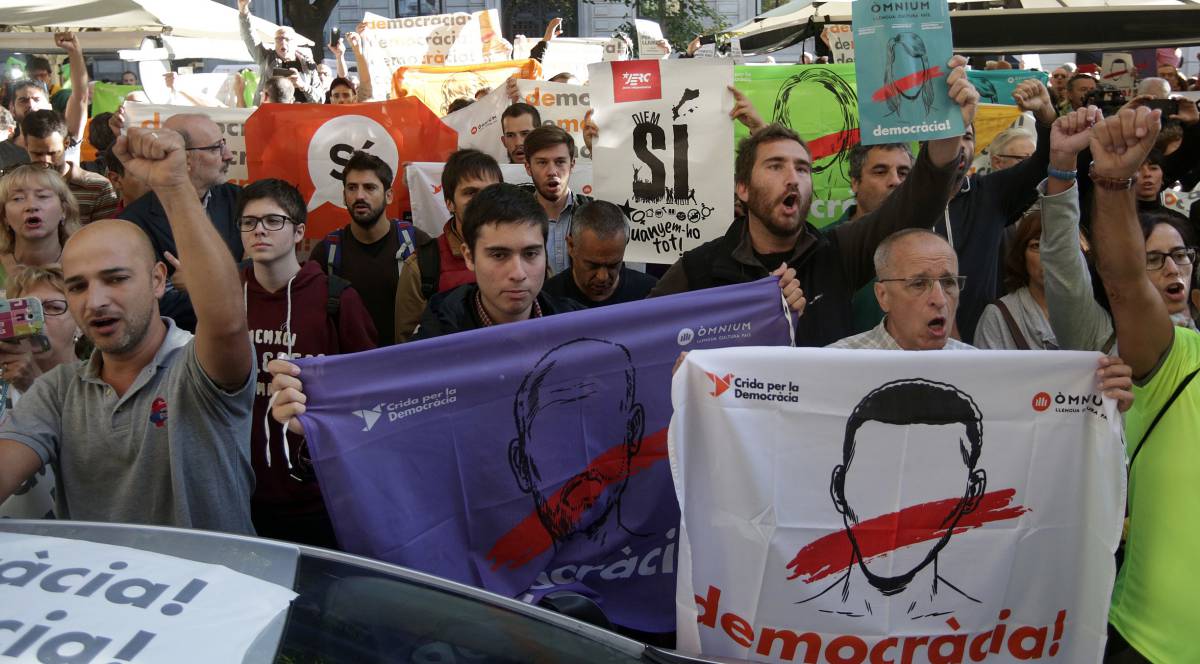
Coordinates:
438 86
309 145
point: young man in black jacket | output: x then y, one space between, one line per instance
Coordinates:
773 176
504 231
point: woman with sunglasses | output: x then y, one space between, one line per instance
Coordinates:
38 213
22 362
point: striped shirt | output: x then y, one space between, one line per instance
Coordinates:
94 193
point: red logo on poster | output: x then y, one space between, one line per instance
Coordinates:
636 80
1041 401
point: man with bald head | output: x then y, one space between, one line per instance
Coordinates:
154 428
917 288
208 161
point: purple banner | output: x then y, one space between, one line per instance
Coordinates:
529 457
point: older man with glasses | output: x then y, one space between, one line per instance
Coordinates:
208 160
918 289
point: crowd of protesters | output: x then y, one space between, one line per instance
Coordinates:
174 300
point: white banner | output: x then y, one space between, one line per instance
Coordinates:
439 39
888 506
839 37
73 601
1119 71
478 125
665 151
567 54
429 203
649 35
560 104
232 122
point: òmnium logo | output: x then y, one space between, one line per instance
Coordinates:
1041 401
370 417
685 336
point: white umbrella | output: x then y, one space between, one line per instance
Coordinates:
188 28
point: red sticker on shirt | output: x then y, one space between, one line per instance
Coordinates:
636 80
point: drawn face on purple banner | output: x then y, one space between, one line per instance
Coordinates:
556 402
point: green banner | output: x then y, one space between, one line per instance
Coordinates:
251 80
107 97
819 103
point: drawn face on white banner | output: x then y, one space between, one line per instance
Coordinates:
332 146
905 425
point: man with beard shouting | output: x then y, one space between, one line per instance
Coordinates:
773 179
370 251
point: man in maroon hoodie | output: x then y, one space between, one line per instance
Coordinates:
292 311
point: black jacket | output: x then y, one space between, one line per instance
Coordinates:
148 213
831 264
454 311
978 214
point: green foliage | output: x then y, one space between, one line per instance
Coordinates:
681 20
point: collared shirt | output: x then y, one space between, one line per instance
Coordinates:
173 450
556 243
486 320
878 338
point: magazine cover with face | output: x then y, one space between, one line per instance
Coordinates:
901 53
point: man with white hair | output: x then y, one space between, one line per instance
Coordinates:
284 55
1154 87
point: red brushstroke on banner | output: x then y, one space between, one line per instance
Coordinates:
529 539
880 535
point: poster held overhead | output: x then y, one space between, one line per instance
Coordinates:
901 51
665 151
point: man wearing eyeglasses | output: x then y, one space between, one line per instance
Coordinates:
918 289
208 160
292 311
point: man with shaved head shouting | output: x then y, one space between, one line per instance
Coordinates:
155 427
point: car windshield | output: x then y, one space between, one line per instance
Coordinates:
349 614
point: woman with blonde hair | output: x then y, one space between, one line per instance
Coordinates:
38 213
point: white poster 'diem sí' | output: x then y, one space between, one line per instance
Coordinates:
894 506
665 151
66 600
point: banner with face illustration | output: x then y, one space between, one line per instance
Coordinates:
887 506
820 103
665 151
536 469
901 50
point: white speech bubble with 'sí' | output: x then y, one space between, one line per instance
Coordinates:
332 146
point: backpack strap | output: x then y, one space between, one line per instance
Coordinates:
1163 411
1013 328
333 257
429 261
333 302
